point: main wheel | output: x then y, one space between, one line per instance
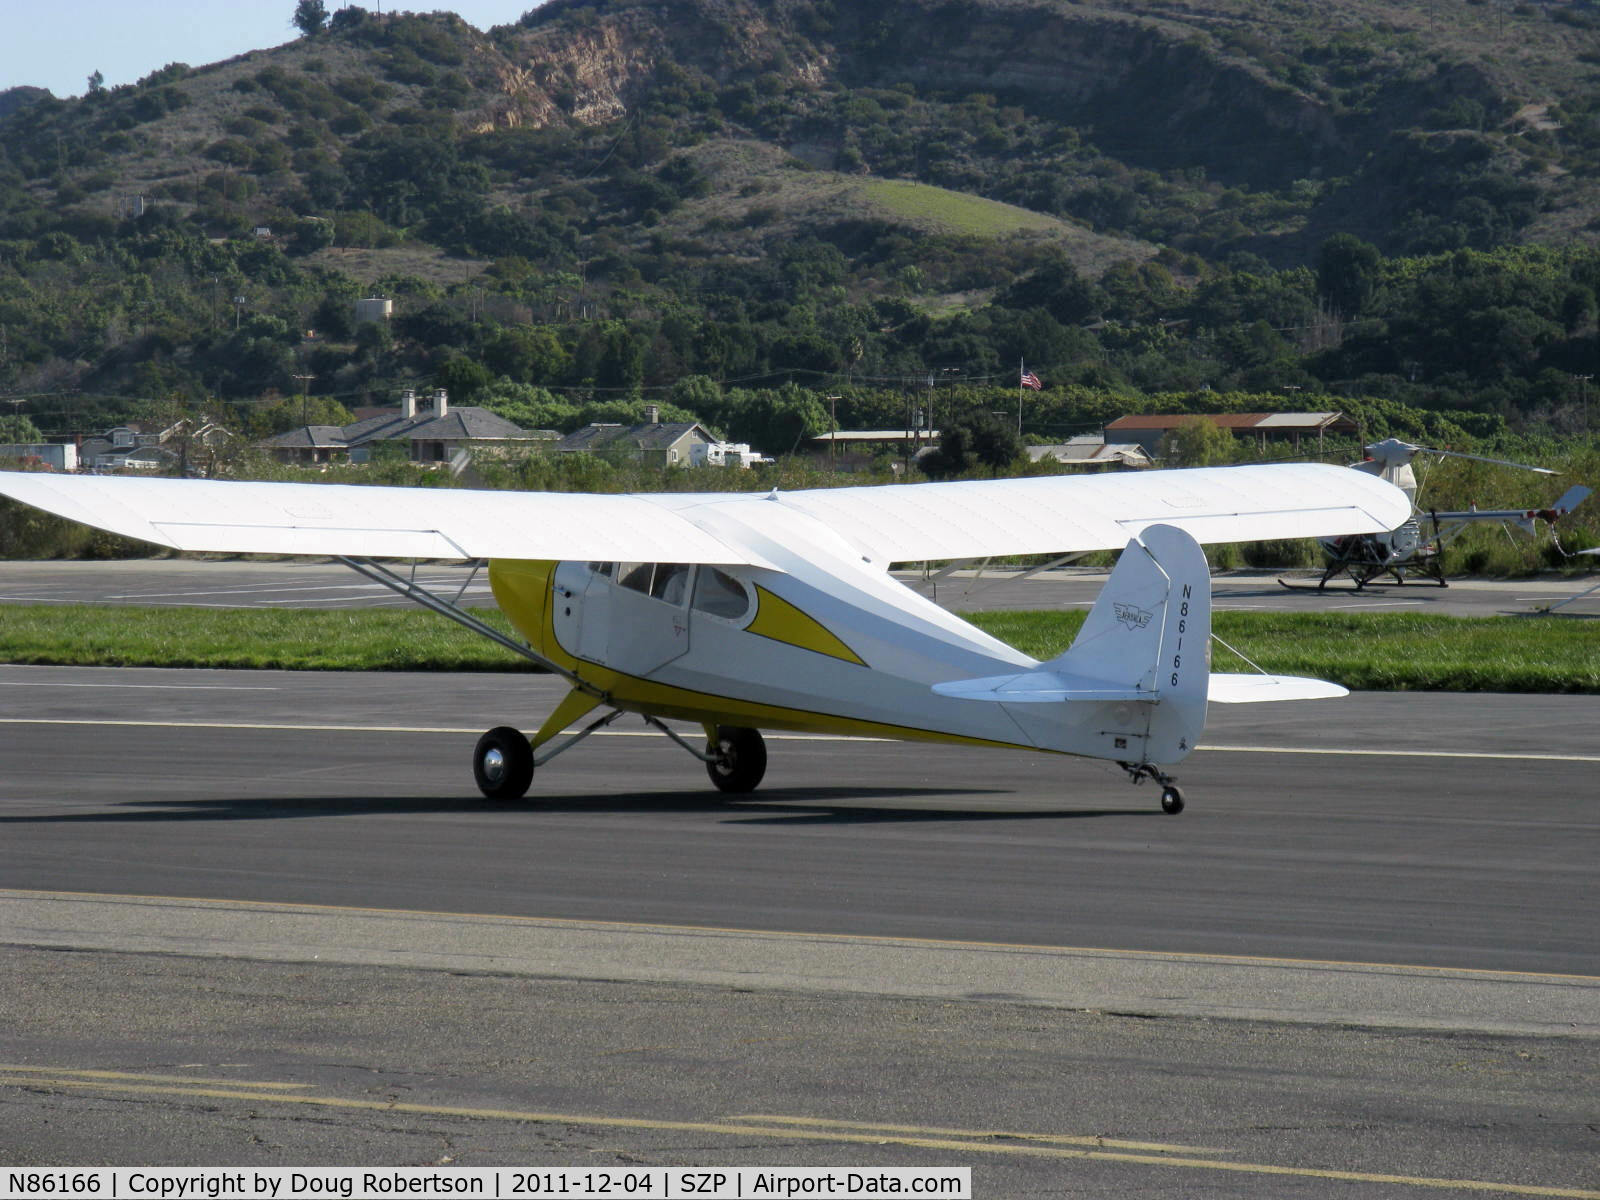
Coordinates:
503 764
1171 800
741 758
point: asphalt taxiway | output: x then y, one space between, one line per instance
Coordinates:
264 918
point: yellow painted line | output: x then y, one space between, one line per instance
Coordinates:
1058 1139
133 1077
796 1133
573 923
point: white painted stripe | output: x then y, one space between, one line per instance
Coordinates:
408 729
348 601
1379 604
353 585
1501 755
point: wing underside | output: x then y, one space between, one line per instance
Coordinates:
374 522
1062 514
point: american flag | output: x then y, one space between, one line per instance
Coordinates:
1030 380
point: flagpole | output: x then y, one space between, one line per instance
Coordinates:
1022 368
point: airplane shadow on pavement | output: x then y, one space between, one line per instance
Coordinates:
814 806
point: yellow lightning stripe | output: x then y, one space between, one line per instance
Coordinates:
975 1141
781 621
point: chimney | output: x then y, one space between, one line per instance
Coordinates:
408 404
441 402
652 415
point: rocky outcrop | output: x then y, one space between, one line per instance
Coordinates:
1152 92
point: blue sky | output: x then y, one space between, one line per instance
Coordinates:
56 45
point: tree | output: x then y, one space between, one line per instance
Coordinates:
1198 442
349 17
972 440
18 428
462 377
97 83
310 17
1347 272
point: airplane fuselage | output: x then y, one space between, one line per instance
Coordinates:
827 642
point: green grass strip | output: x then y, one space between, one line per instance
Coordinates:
1369 651
375 639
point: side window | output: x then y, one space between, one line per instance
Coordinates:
635 576
718 594
603 569
671 582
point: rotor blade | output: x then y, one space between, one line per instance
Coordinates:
1499 462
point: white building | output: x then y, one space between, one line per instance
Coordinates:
725 454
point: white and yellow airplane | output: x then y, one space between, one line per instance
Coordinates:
743 612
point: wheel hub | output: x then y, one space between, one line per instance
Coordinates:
494 766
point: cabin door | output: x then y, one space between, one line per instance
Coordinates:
648 619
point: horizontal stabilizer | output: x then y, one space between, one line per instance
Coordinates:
1039 687
1255 689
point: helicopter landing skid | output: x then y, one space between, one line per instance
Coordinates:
1361 585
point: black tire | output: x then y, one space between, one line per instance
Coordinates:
1171 800
503 764
741 758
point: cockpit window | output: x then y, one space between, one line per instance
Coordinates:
718 594
601 568
635 575
671 582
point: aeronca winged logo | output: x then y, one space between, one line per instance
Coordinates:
1131 615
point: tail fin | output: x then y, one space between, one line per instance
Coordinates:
1570 499
1151 628
1146 639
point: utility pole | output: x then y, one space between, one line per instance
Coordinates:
833 427
952 376
304 381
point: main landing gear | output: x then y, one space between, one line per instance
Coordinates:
503 764
736 758
504 761
1171 796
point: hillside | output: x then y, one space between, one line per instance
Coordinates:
611 196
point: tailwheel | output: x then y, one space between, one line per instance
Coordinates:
1171 797
736 758
503 764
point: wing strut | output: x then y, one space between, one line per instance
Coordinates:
453 610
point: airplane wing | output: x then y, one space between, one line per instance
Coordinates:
1056 514
1062 514
374 522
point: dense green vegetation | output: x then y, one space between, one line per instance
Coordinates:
1370 213
1381 651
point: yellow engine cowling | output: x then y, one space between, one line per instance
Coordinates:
523 588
